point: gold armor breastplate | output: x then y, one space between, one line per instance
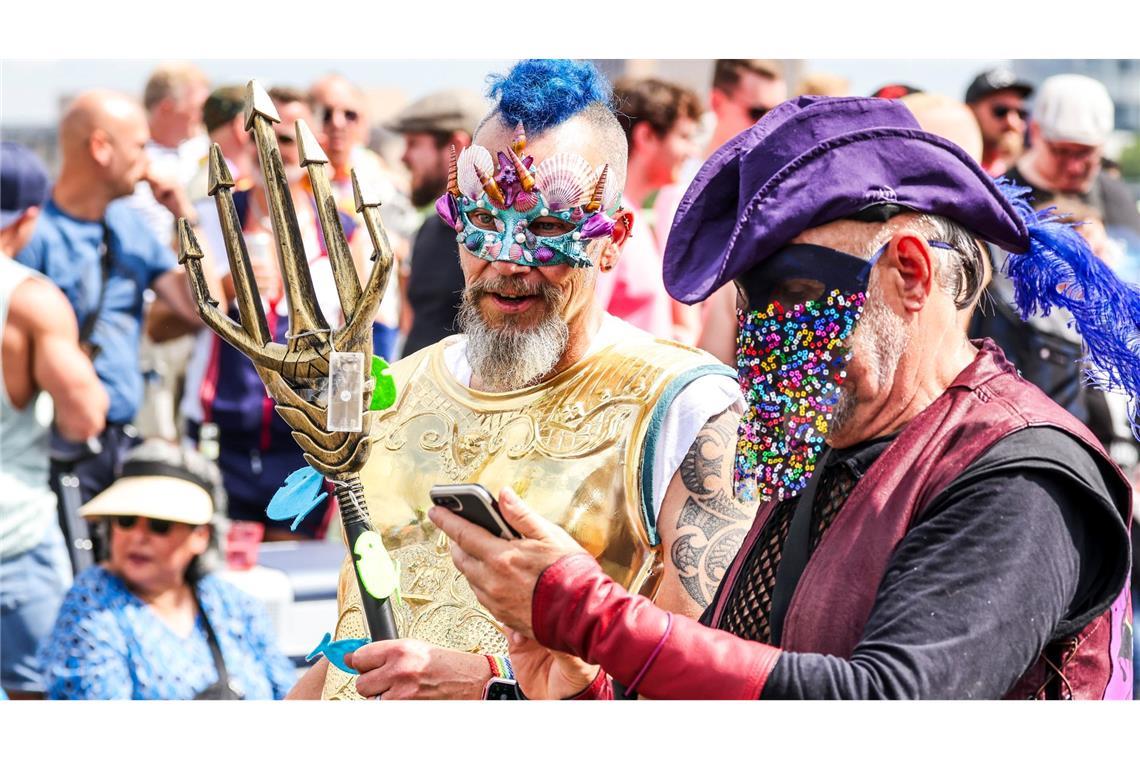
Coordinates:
571 447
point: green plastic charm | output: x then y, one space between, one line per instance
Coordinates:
379 575
384 395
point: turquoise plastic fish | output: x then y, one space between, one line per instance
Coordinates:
302 493
335 651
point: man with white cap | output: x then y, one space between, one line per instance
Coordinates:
1072 119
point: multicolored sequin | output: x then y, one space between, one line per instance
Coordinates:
791 363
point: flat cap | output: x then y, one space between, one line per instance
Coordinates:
446 111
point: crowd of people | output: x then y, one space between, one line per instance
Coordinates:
133 438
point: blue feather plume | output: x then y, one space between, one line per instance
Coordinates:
1060 270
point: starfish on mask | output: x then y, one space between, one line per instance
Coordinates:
534 215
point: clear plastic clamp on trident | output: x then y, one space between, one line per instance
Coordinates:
319 377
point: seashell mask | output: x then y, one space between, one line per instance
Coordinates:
504 208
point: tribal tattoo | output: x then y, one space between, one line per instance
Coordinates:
712 524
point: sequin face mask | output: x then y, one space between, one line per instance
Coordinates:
791 358
506 208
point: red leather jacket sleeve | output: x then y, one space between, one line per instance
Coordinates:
578 609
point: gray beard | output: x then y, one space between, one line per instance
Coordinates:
879 340
508 358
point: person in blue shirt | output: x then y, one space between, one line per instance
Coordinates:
103 257
151 622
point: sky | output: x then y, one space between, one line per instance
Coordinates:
30 90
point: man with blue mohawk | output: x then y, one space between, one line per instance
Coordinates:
622 439
931 525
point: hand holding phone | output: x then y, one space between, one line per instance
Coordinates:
475 504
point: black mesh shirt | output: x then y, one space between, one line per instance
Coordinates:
747 612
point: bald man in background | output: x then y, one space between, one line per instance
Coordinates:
103 257
947 117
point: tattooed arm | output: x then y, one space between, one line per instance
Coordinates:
702 525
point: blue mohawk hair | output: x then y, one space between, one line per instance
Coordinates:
544 92
1060 270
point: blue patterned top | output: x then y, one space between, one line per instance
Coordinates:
108 644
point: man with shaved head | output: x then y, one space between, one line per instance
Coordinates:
103 257
612 431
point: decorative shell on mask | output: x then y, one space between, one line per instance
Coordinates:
610 192
525 201
471 157
565 180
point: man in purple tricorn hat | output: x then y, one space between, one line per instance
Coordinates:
930 525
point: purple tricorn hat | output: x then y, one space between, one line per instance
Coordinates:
814 160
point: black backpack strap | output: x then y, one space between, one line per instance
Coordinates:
794 557
106 262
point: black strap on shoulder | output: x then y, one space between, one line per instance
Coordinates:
220 689
106 262
794 557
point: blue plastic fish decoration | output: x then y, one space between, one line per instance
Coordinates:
302 493
335 651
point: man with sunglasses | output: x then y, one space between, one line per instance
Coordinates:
743 90
930 524
997 98
341 123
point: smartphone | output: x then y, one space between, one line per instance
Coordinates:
474 503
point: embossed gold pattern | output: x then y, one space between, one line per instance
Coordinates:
571 447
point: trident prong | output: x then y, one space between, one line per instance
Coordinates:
190 255
295 373
359 326
313 158
245 288
305 316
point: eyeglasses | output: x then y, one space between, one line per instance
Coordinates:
1072 153
1000 112
157 527
349 114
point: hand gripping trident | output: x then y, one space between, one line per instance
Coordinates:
296 373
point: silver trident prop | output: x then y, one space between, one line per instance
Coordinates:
296 373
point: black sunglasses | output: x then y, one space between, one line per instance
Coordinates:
349 114
757 113
158 527
286 139
1000 112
